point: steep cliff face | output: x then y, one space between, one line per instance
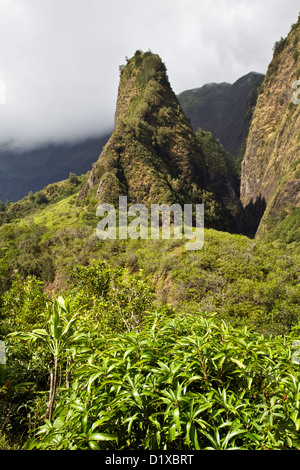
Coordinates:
270 170
153 154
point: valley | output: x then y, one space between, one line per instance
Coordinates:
138 343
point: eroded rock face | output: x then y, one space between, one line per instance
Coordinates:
270 168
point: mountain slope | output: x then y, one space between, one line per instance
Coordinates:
223 109
153 155
31 170
270 181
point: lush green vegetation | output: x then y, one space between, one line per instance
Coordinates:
104 299
14 211
245 281
236 283
284 230
36 237
102 366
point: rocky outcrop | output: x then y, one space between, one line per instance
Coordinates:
153 154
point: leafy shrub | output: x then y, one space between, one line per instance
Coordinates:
113 297
22 305
188 382
41 198
152 66
22 309
73 179
279 46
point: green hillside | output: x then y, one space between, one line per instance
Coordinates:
246 290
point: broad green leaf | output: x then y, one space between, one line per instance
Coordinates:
230 436
98 436
77 407
93 445
172 432
176 418
24 386
84 422
239 363
130 421
249 382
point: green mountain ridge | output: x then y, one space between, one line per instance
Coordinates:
22 171
224 109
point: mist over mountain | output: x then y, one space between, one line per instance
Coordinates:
222 109
61 69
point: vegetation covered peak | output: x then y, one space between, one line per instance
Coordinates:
154 155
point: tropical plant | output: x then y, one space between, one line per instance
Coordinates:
182 382
56 339
117 298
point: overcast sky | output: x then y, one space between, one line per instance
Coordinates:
59 59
